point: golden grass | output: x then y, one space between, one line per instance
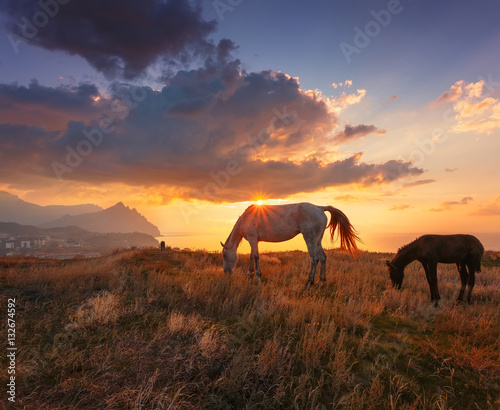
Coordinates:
144 329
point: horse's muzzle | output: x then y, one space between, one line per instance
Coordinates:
396 285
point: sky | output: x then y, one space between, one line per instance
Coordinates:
190 111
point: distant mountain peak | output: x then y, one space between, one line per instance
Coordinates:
118 218
8 195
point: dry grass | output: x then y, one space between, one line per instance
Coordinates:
143 329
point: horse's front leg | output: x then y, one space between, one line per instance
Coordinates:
251 267
254 260
464 276
434 282
257 268
472 280
429 280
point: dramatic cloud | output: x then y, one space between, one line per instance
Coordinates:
473 110
355 132
449 204
214 133
117 37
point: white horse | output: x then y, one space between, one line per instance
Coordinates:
279 223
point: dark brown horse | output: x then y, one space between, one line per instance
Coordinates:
464 250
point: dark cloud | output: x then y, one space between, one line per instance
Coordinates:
117 37
355 132
37 105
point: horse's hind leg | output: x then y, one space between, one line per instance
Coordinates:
311 247
321 255
464 276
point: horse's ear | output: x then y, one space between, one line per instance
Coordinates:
388 264
222 244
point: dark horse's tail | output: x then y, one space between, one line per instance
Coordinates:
347 233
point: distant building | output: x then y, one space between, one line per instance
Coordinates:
71 243
22 243
39 242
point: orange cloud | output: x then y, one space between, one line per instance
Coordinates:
345 100
453 94
399 207
445 206
490 209
473 110
393 98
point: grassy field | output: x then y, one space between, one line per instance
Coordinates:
143 329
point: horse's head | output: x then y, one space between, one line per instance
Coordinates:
229 258
396 273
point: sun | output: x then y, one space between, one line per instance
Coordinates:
260 202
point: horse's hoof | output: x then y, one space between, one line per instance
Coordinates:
306 286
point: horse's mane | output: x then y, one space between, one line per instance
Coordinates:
407 246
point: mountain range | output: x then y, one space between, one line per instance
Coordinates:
14 209
117 219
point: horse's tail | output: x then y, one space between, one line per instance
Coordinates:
347 233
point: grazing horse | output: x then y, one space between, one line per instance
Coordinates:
464 250
279 223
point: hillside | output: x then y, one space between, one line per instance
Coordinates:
86 239
151 329
118 219
14 209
